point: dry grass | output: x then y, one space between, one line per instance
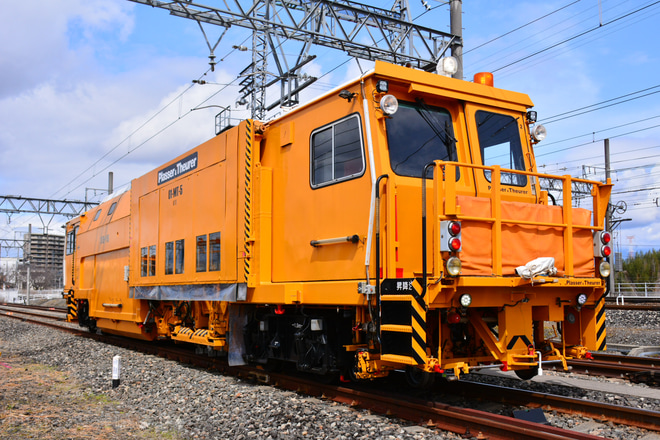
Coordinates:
40 402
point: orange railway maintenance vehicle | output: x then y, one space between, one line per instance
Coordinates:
394 223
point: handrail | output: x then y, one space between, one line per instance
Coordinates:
347 239
446 206
383 176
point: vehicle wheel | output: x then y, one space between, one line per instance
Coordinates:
527 374
418 379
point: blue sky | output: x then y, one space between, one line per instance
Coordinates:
91 86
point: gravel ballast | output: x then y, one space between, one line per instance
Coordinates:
159 398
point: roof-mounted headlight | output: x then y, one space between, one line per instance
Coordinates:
447 66
389 104
538 133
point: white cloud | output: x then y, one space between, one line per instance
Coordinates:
37 37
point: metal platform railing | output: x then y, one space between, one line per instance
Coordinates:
636 292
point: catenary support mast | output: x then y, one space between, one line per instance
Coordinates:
291 27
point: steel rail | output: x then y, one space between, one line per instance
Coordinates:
635 369
640 418
463 421
649 306
39 313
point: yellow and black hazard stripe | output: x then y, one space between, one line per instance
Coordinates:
418 322
525 340
71 307
249 138
601 333
403 321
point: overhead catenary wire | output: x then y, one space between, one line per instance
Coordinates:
573 113
140 127
581 34
173 122
593 133
521 27
169 125
599 140
565 49
175 99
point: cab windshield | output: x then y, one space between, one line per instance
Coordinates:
499 140
418 134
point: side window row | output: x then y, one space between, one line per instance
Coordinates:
110 211
206 245
172 264
148 261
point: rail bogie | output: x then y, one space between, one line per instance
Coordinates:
315 239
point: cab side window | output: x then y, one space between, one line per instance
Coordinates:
337 152
71 241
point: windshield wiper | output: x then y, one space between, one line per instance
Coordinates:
445 136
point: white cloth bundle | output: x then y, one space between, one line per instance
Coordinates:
540 266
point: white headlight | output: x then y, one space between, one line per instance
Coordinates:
389 104
454 266
447 66
581 299
539 132
604 269
465 300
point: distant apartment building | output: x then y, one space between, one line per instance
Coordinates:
46 256
44 250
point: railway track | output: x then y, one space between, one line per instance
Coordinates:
567 405
50 313
635 369
647 306
428 411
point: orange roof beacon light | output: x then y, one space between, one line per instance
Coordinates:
485 78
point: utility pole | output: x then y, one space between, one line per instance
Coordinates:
27 260
609 213
456 29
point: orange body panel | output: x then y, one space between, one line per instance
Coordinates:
523 243
274 230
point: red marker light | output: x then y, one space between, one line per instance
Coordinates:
454 228
605 237
602 244
453 318
450 236
455 243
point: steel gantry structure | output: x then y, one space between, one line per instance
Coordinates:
17 204
361 31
